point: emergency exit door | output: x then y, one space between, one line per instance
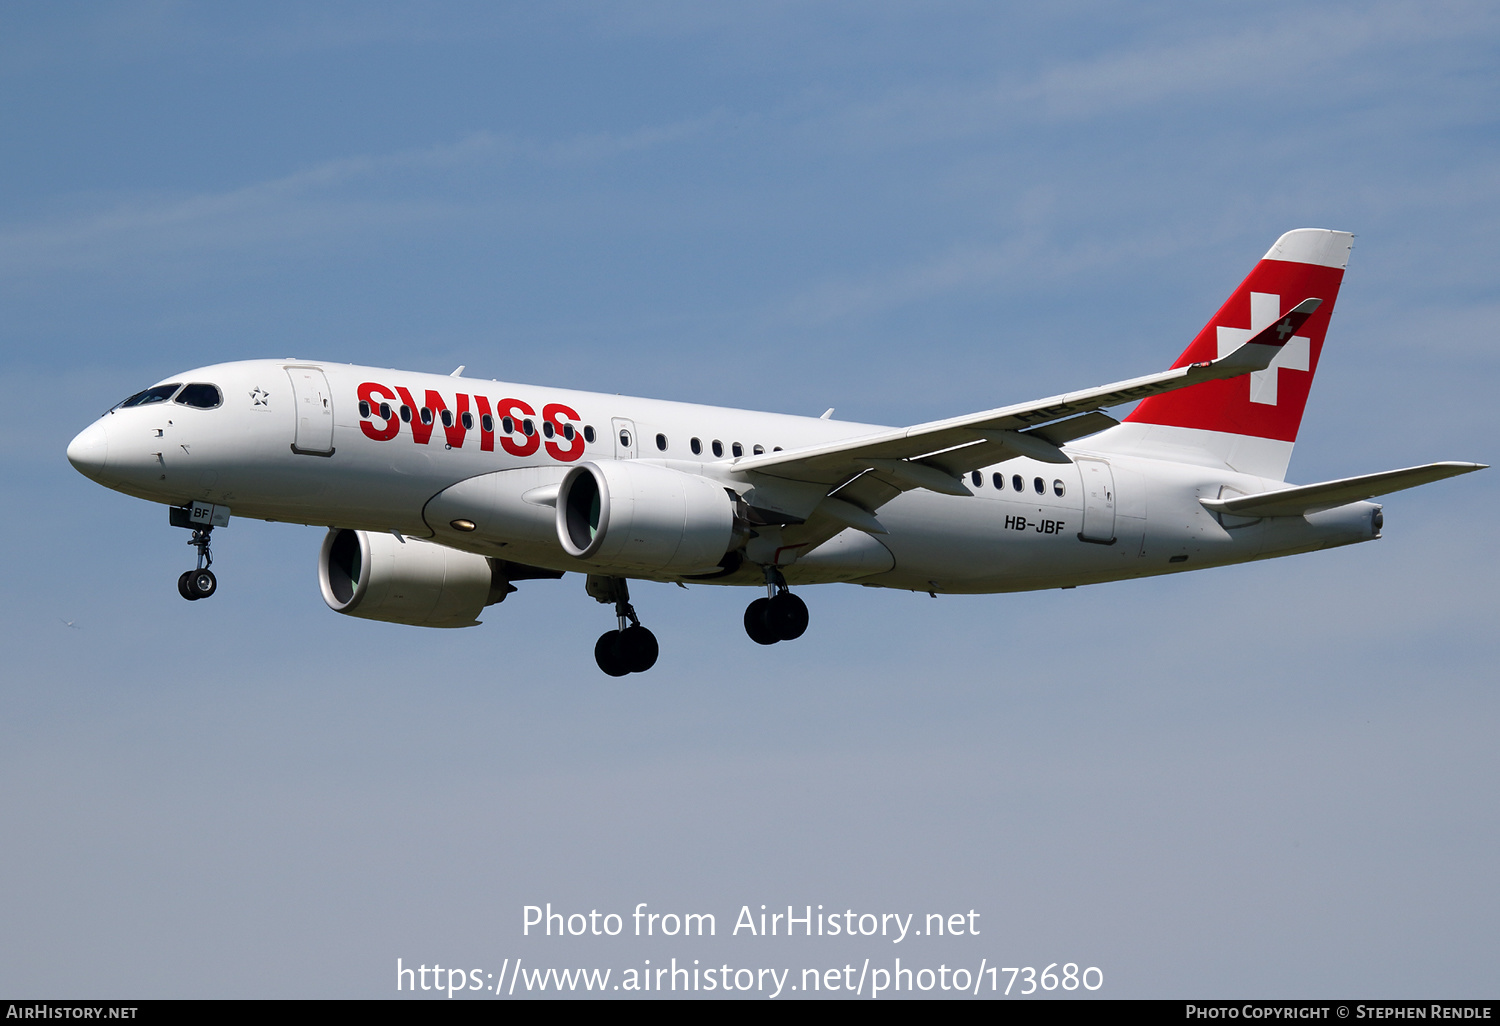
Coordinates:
625 443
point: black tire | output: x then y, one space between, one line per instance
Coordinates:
202 583
607 653
755 623
184 587
639 648
786 616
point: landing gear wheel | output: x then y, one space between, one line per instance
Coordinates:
638 648
786 616
202 583
755 623
609 655
627 649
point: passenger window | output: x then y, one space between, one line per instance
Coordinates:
426 415
661 442
1058 489
1040 486
447 418
624 438
527 427
487 423
547 428
588 433
737 449
697 446
203 397
776 449
364 409
467 420
568 432
758 450
385 411
1017 483
509 425
405 414
977 478
999 482
718 447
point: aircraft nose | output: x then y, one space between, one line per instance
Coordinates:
89 450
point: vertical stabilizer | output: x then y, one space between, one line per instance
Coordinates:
1248 423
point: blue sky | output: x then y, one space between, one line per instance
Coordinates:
1274 779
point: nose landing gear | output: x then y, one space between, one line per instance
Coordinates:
627 649
780 616
200 583
201 518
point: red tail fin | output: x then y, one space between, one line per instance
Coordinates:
1305 263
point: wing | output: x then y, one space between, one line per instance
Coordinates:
869 471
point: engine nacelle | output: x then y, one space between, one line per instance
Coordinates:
639 516
414 582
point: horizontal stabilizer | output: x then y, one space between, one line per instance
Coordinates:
1314 498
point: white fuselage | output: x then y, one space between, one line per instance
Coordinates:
291 442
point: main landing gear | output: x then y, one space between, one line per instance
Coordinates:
627 649
780 616
199 583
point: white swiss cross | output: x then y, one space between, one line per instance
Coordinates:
1265 308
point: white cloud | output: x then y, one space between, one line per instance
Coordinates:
1027 258
1307 51
318 202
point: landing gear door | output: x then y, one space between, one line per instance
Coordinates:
314 403
1098 501
624 438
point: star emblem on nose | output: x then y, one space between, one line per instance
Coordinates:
259 397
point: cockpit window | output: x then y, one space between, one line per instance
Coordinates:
159 394
204 397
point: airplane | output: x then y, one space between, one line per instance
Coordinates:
441 492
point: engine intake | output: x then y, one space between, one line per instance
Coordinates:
378 577
639 516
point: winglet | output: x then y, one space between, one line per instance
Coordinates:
1258 352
